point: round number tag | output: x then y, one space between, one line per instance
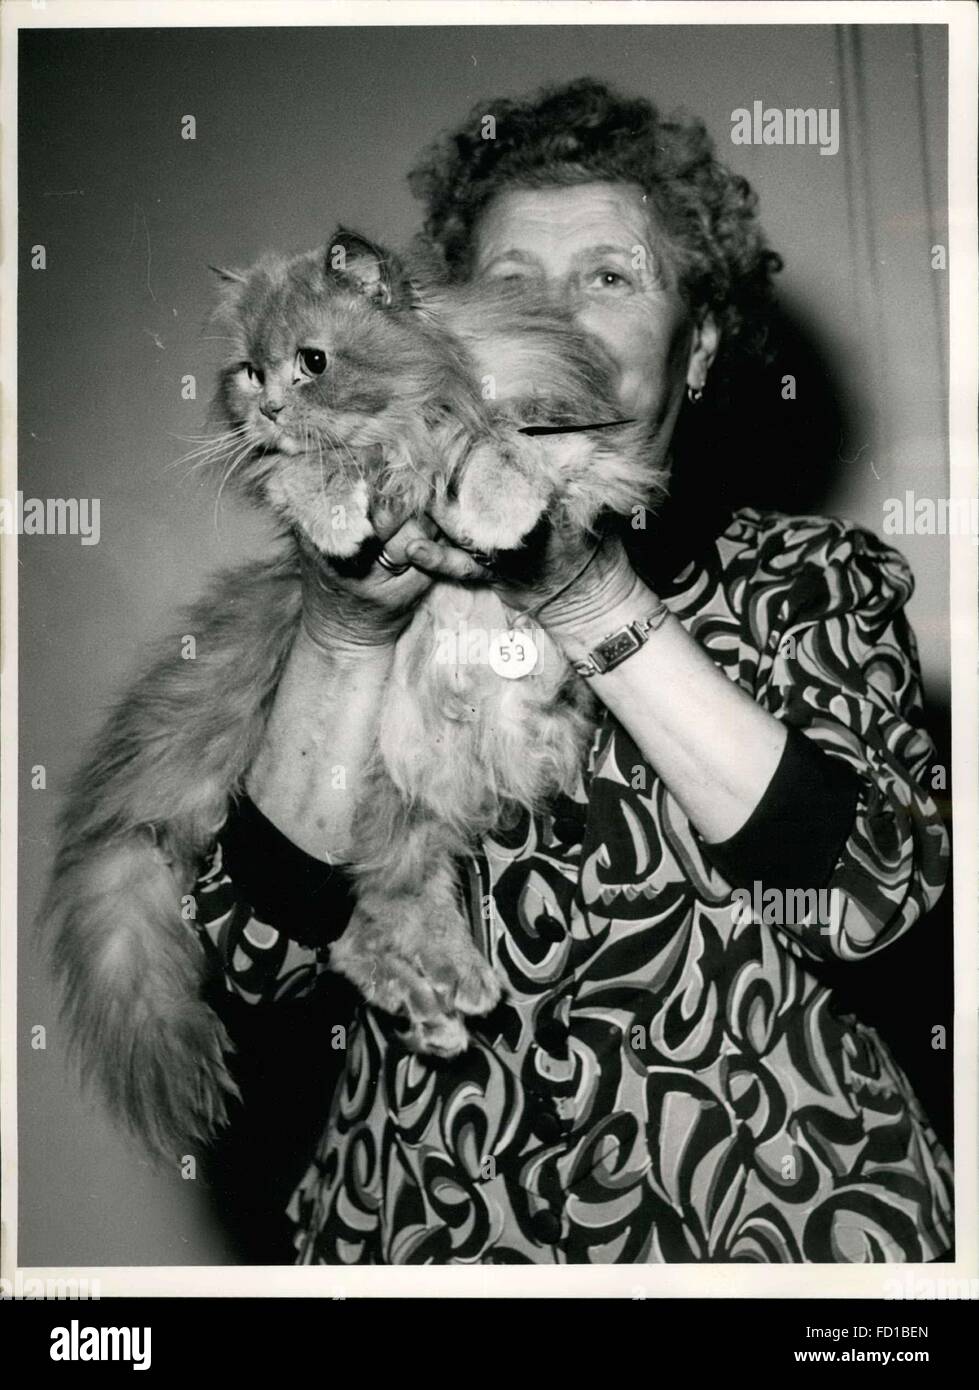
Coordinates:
512 654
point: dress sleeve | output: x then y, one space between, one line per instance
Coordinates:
841 669
265 911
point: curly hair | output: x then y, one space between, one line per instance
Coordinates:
582 131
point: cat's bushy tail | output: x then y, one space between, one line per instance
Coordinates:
138 816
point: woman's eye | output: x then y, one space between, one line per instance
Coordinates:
507 275
253 374
609 280
312 361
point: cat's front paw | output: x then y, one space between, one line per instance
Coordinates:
499 499
333 516
340 524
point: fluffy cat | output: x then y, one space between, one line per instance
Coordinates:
350 383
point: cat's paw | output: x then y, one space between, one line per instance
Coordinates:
399 986
334 517
340 524
431 978
444 1036
499 499
463 977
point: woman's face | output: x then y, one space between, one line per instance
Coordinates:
595 248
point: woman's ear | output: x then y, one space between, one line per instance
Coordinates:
703 349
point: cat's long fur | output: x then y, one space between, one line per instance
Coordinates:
138 814
456 745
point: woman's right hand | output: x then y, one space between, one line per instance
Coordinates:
344 612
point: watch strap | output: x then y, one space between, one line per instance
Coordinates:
617 646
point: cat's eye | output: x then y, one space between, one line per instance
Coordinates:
312 361
254 375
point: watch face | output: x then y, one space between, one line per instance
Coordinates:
615 648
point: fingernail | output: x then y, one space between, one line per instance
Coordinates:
418 550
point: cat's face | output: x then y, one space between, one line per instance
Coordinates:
313 354
323 365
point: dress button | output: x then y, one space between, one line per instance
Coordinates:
569 829
545 1227
548 928
547 1126
552 1034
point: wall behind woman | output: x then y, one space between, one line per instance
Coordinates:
293 131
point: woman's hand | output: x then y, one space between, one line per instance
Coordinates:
574 581
346 609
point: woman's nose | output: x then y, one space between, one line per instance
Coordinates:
566 295
270 408
561 291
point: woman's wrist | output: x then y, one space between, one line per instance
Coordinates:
578 639
342 619
340 637
584 616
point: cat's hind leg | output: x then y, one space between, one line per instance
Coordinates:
412 955
408 946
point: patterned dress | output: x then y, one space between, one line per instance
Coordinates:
666 1079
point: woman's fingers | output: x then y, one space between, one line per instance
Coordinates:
441 559
414 542
396 544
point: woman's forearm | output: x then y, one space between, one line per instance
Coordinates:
308 772
712 745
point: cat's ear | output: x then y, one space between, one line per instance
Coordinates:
375 272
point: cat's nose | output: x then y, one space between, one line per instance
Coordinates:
271 409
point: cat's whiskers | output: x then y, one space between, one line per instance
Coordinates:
208 441
206 458
234 464
209 450
322 464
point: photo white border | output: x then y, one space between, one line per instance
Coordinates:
613 1281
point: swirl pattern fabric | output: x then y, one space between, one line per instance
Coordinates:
667 1080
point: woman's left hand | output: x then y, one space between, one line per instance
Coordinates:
577 579
712 745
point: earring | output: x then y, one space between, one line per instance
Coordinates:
694 394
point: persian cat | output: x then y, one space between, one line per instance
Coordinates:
352 381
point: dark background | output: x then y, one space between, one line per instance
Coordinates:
297 129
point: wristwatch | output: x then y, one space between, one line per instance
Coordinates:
613 649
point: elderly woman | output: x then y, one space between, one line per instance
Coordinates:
667 1078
